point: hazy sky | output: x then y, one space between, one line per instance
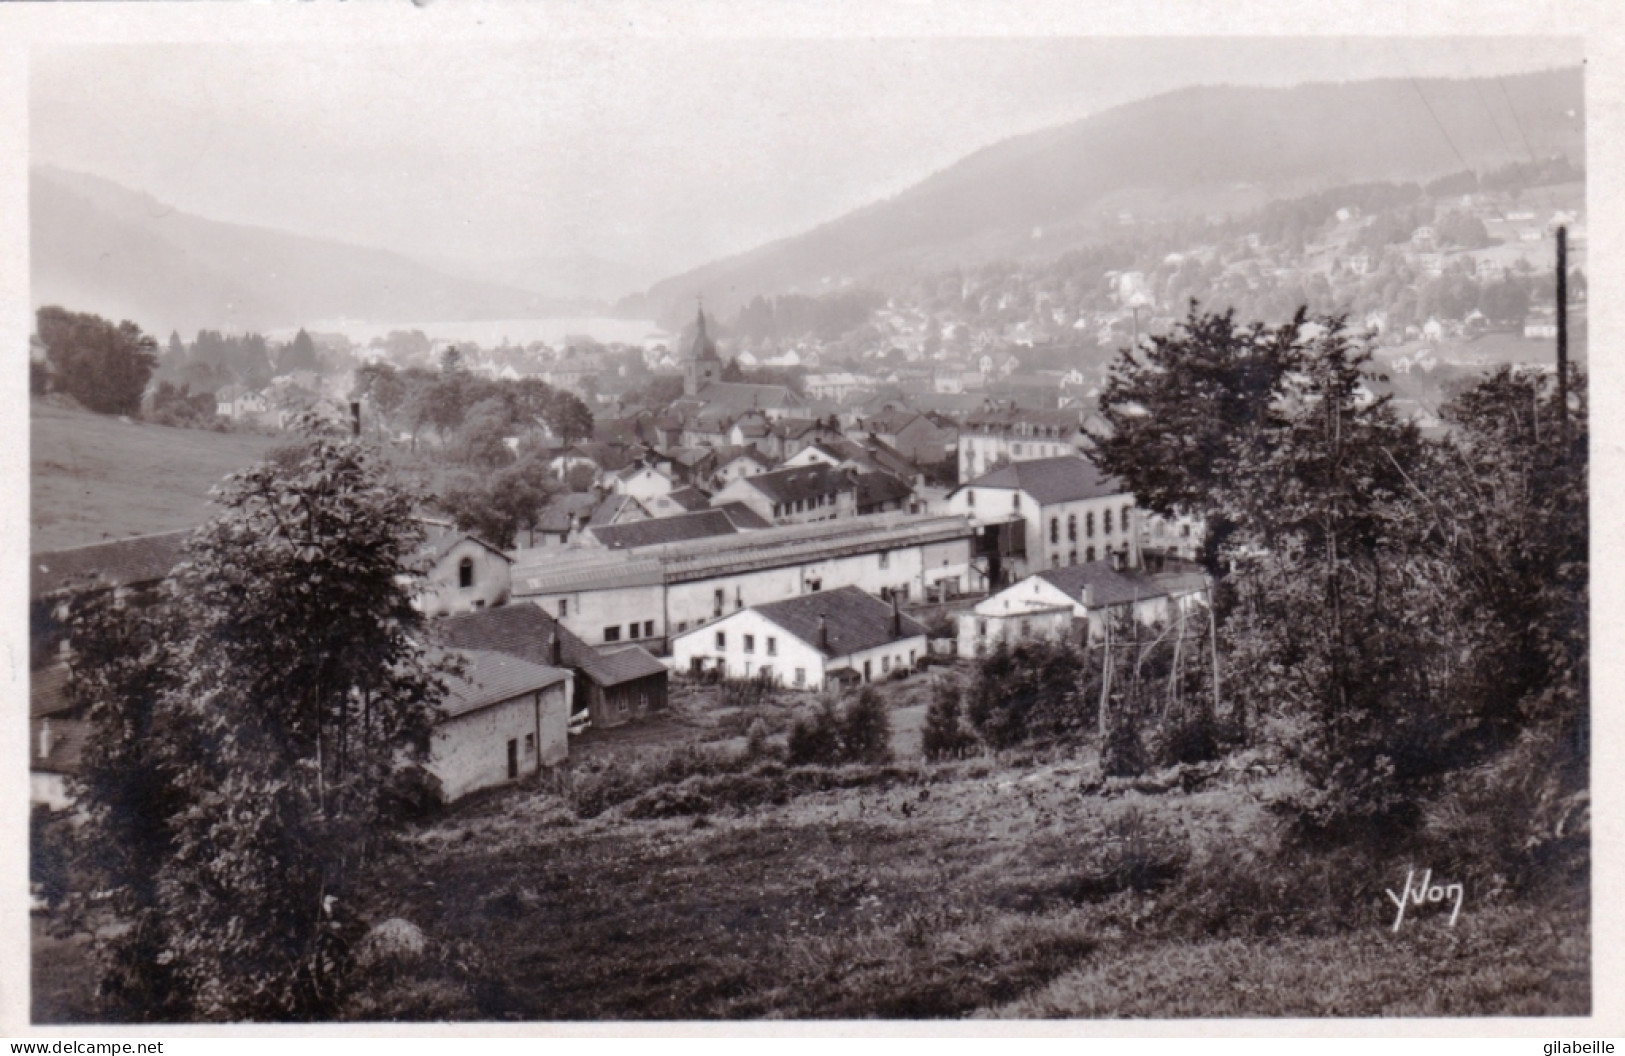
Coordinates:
663 152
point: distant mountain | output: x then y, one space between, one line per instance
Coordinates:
103 248
1197 151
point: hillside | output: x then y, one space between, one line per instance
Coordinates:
108 249
95 477
1197 151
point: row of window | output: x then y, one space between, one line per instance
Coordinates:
613 634
1088 555
1089 524
818 502
749 642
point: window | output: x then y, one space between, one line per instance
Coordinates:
1089 525
801 676
564 607
716 603
1090 555
530 744
632 632
722 640
885 559
1106 522
1072 558
970 499
1124 520
682 625
612 634
772 646
1015 501
766 673
1055 560
465 573
885 664
981 628
1054 529
750 643
1072 527
648 628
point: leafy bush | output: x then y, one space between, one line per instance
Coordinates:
592 793
944 735
860 733
746 692
1029 691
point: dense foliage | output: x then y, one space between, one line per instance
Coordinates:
102 365
249 730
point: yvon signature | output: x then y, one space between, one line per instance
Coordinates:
1426 891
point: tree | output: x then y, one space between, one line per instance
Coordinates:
281 692
499 506
944 735
299 354
451 360
567 416
104 367
481 439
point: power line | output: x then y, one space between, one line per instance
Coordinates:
1515 119
1440 124
1478 87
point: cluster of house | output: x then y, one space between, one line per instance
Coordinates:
795 567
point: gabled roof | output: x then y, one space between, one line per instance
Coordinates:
690 499
103 566
659 530
610 508
526 632
878 487
802 482
490 678
1066 478
440 541
48 691
854 621
1111 586
628 664
743 517
560 512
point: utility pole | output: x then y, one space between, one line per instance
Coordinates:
1563 336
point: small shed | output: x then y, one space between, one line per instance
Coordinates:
503 718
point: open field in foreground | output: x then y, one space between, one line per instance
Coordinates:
992 886
94 477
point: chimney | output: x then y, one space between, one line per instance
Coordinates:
557 649
45 739
355 417
896 617
823 632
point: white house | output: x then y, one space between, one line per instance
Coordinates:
1073 513
805 642
465 573
1057 602
503 718
644 483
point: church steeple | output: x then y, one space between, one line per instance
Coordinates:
703 365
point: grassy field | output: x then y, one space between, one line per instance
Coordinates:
999 886
95 477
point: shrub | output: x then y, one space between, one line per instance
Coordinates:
1028 691
746 692
817 738
1122 753
945 736
866 729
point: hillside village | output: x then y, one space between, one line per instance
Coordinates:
906 645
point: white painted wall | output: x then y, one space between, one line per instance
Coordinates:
493 581
470 751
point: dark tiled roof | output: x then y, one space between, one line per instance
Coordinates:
743 517
877 488
1110 586
855 620
802 482
610 508
526 632
658 530
1066 478
122 563
66 746
627 664
559 514
734 398
690 499
622 432
48 691
491 678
